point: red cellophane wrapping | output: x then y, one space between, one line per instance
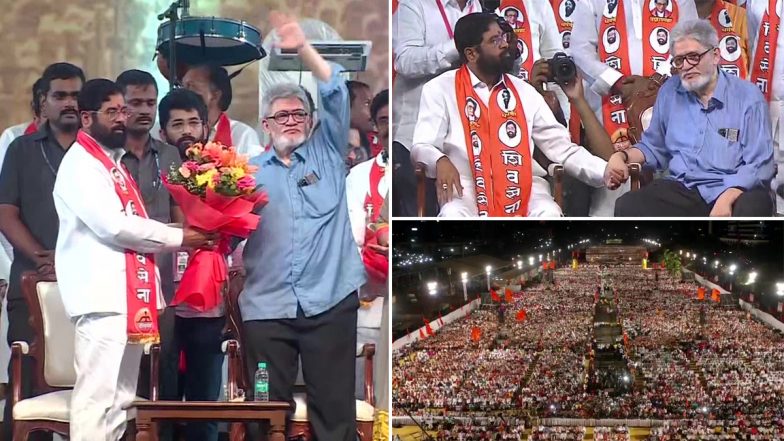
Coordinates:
229 216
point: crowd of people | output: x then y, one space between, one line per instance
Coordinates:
708 364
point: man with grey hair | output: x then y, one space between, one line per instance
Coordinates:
711 130
303 268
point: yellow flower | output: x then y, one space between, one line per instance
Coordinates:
237 172
206 178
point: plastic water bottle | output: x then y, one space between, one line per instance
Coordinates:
261 383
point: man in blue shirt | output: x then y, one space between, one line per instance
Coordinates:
303 268
712 131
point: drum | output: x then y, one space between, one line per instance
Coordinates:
222 41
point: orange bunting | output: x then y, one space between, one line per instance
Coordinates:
508 295
476 333
701 293
521 315
494 295
715 295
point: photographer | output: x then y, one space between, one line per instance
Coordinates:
561 70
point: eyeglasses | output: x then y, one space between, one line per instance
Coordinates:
499 40
282 117
113 114
692 59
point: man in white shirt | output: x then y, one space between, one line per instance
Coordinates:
214 85
364 206
765 31
422 38
440 138
103 224
619 67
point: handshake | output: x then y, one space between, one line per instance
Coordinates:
617 170
194 238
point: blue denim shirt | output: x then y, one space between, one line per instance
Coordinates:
303 251
686 137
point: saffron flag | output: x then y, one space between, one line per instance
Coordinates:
494 295
476 333
521 315
508 295
701 293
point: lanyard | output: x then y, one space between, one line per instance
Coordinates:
448 26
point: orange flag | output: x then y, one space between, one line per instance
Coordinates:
552 264
494 295
476 333
521 315
715 295
508 295
701 293
421 334
428 329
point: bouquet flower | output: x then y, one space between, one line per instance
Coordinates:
217 193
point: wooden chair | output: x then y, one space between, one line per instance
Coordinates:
52 351
554 171
639 110
238 376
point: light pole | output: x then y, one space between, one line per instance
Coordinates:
464 277
432 287
488 269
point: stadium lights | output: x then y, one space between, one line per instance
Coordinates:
531 260
752 278
733 267
488 268
688 255
431 288
414 229
780 289
540 257
716 264
464 277
519 264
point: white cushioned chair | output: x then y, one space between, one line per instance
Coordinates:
52 351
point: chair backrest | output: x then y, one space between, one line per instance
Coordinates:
639 108
234 317
52 347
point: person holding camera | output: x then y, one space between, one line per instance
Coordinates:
478 125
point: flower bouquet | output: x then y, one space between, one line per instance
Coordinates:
217 193
376 236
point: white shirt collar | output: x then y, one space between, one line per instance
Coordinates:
478 84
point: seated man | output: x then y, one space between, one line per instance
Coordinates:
479 146
713 132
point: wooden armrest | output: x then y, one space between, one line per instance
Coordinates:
420 171
368 351
635 171
18 350
155 353
232 349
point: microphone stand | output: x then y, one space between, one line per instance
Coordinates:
172 14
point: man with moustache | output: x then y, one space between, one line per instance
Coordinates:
711 130
463 175
104 224
661 37
511 130
146 159
198 334
27 213
732 45
302 264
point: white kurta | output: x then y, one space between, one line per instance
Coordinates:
755 10
91 274
422 50
439 132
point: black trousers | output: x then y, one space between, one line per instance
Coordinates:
19 329
667 197
404 198
327 344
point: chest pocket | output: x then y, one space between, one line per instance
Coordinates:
721 154
320 198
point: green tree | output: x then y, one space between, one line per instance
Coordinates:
672 261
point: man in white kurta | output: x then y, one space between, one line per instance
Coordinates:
599 77
440 134
90 260
755 10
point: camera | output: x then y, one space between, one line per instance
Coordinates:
562 69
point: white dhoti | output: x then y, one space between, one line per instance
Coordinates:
107 370
603 200
541 203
